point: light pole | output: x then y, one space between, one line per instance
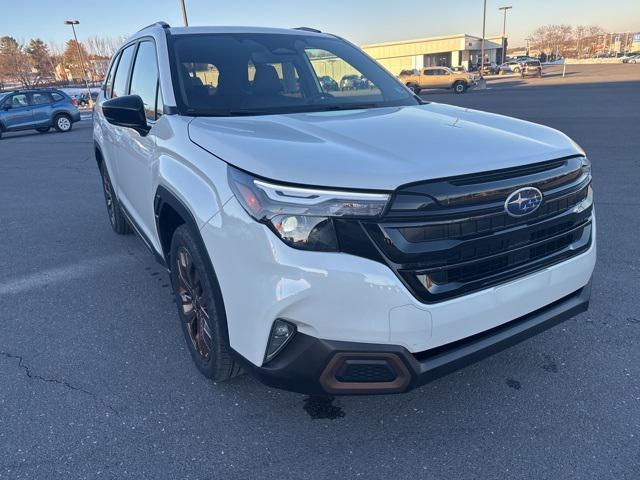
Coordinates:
184 13
73 24
504 32
484 29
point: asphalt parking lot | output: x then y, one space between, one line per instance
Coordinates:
96 380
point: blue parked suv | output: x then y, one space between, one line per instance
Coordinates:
37 109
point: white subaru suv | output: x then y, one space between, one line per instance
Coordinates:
333 242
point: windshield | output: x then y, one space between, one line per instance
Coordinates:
258 74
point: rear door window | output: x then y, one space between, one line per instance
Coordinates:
122 73
41 98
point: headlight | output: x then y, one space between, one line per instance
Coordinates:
302 216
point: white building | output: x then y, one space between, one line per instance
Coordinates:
448 51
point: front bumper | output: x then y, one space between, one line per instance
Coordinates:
314 366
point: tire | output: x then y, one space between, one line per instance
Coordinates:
516 70
459 87
416 89
62 123
43 129
117 219
200 307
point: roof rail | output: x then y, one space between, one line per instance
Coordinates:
157 24
308 29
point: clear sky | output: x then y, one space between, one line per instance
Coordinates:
362 21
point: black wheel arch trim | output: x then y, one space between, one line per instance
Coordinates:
164 197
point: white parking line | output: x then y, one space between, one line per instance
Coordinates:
57 275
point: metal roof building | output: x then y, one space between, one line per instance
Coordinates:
448 51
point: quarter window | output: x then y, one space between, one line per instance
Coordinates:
122 73
108 83
144 79
159 102
57 97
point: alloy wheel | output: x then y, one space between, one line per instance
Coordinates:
64 124
108 197
193 304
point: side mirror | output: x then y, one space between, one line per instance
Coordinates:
6 107
127 111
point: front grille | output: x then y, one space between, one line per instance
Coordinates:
366 371
449 237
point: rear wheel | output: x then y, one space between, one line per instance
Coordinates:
459 87
116 217
200 307
43 129
416 89
516 70
62 123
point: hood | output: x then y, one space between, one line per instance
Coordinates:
377 149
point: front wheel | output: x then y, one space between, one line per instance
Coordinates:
62 123
200 307
459 87
516 70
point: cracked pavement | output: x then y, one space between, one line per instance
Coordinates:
96 381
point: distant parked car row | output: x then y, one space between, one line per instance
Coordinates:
37 110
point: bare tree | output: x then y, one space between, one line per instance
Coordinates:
103 47
564 40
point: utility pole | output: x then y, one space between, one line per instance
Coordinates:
484 30
504 32
184 13
85 72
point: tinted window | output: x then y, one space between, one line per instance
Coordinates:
40 98
253 74
122 73
144 79
57 97
19 100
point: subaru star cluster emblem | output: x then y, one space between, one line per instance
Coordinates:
523 202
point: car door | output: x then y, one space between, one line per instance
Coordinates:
441 78
17 112
42 104
136 155
426 78
116 86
